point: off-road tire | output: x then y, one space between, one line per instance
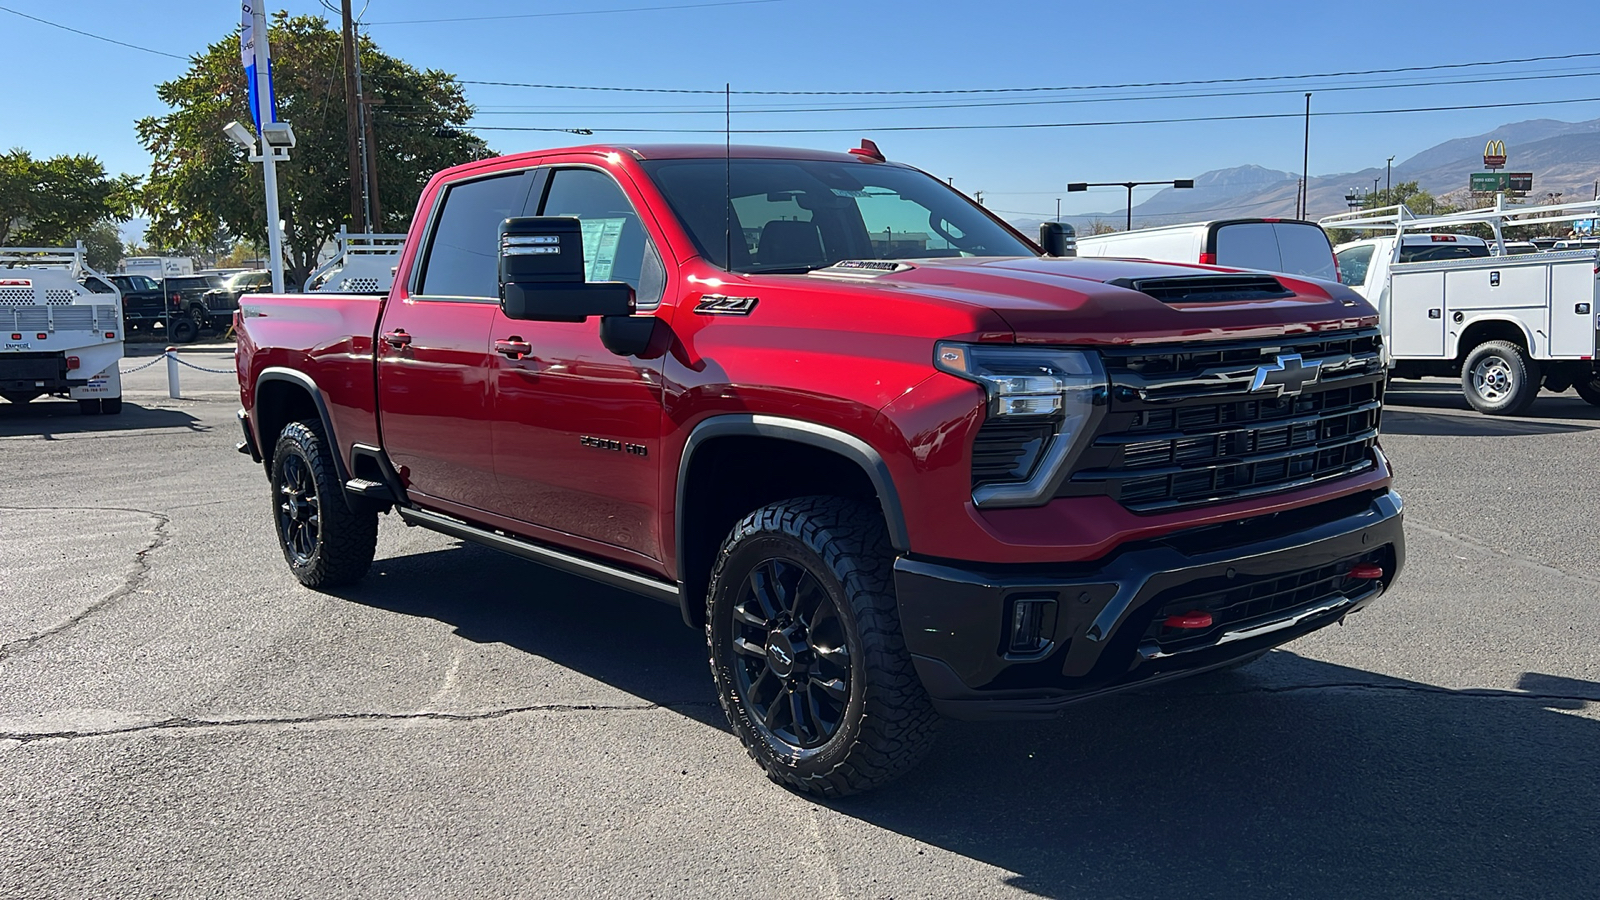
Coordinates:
339 548
888 723
111 406
1512 382
1589 391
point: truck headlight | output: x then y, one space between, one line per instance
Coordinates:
1063 390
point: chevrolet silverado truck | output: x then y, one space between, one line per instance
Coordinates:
893 460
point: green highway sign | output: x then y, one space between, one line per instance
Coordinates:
1489 182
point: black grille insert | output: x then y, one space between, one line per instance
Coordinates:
1007 451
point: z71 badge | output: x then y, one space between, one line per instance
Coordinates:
723 305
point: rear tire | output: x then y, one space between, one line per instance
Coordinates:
184 330
1499 379
324 541
1589 391
89 407
806 651
111 406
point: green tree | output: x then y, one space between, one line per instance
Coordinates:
201 184
102 243
53 202
1419 201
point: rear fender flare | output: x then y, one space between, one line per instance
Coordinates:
305 383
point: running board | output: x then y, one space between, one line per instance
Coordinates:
556 559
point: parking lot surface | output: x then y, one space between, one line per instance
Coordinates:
178 717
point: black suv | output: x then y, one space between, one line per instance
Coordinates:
221 302
187 306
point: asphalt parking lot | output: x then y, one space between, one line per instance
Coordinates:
178 717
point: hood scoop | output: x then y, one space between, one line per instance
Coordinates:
864 268
1207 288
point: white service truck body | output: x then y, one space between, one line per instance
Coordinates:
1506 325
61 325
361 264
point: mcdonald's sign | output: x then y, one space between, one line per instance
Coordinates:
1494 155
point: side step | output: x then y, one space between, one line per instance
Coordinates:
593 570
372 490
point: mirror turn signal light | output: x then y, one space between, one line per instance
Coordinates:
1193 619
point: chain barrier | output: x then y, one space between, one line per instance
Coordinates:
203 368
145 366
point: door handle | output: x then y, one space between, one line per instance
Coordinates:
513 347
397 338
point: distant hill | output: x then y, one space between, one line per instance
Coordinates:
1564 157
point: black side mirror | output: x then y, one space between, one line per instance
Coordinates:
542 276
1058 239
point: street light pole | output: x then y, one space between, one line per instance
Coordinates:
269 171
1388 170
1077 186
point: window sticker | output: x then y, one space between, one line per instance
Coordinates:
600 239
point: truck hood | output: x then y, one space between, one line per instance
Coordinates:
1093 300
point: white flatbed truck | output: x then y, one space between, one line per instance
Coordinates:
1506 325
60 329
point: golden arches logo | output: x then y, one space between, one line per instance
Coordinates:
1494 154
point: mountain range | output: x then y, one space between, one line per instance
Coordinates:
1564 158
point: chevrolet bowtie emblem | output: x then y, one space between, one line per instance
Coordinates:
1289 375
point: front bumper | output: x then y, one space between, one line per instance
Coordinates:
1266 581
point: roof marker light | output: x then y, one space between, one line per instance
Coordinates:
868 150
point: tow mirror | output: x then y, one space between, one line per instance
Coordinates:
543 278
1058 239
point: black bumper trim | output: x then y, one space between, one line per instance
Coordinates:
953 614
248 445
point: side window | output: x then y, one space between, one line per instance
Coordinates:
463 255
1353 265
615 246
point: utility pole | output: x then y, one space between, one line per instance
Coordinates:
1058 201
352 116
1305 164
1388 170
369 175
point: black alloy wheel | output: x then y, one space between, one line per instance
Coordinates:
299 510
794 664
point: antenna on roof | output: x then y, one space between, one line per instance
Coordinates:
727 175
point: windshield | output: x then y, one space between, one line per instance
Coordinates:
797 215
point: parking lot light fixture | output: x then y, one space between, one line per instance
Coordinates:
1078 186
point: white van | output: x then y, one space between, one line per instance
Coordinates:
1291 246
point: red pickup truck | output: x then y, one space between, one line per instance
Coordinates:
892 459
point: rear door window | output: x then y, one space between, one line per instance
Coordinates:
463 253
1304 250
1249 245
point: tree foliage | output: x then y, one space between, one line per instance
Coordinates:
54 202
202 184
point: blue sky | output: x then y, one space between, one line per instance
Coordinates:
61 92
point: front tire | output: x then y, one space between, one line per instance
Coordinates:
806 651
1589 391
1500 379
325 542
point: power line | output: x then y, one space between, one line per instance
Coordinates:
1009 103
90 35
1011 127
576 12
1017 90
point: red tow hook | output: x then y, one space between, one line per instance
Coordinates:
1366 571
1193 619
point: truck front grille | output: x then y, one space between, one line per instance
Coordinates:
1184 429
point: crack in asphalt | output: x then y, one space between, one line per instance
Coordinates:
185 723
130 583
1524 561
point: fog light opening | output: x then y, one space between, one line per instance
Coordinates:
1029 616
1191 621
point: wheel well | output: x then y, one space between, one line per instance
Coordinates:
1492 330
730 476
277 404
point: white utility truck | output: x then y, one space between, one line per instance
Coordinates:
61 325
1504 324
361 264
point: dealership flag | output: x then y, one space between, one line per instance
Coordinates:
255 55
